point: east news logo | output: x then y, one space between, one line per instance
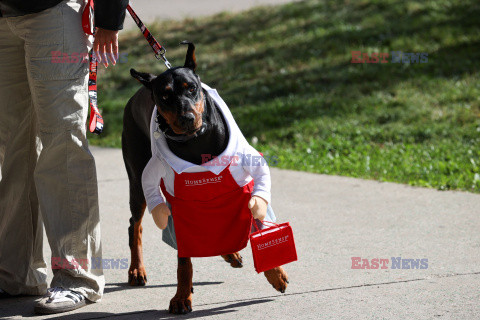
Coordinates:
397 263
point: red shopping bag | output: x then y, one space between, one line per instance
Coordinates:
273 247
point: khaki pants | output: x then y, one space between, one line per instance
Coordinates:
56 172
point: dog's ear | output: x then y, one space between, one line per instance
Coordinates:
144 78
190 61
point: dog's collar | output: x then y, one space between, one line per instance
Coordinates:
169 134
183 138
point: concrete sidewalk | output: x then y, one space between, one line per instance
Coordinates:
334 219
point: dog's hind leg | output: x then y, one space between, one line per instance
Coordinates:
235 259
278 278
136 154
137 275
181 303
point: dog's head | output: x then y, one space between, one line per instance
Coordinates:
178 95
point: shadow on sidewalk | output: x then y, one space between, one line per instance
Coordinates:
17 306
161 314
112 287
23 305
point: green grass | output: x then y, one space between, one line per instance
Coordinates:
286 74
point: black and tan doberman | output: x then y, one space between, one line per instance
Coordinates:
184 110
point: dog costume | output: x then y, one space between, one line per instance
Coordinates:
221 187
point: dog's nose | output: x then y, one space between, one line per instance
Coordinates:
187 120
189 117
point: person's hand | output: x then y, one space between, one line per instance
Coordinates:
258 207
105 46
160 215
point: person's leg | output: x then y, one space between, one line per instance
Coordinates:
65 175
22 268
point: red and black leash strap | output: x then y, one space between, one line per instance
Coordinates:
157 47
96 120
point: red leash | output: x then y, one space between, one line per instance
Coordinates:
157 47
96 119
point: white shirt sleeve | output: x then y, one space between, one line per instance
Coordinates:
151 177
257 167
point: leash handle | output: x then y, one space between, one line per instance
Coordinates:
157 47
96 120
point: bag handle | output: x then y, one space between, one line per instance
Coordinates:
254 222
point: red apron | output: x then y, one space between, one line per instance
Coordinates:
210 213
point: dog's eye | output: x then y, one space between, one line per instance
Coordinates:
192 89
165 97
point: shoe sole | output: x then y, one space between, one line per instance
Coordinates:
57 309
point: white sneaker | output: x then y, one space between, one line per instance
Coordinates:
59 300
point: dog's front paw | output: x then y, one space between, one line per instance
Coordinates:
181 304
137 275
235 259
278 278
